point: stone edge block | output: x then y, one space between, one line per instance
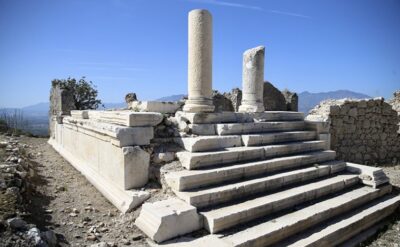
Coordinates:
371 176
167 219
156 106
127 118
78 114
237 117
120 136
124 200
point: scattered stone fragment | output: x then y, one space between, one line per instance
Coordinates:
17 223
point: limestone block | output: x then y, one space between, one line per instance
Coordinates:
167 219
107 171
202 129
206 143
127 118
136 167
273 99
320 126
118 135
372 176
205 118
327 139
80 114
155 106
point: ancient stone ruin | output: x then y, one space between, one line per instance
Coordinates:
249 177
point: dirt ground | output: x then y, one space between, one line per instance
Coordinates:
68 204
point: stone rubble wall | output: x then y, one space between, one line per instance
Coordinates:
361 131
395 102
61 103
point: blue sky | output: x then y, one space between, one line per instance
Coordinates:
141 45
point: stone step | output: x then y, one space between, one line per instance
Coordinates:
226 217
271 151
341 229
277 229
258 127
208 143
277 137
208 197
240 154
190 179
237 117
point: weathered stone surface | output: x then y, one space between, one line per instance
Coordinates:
186 180
167 219
130 97
252 82
276 137
235 96
240 213
80 114
292 100
200 62
207 143
372 176
240 189
155 106
280 228
339 233
127 118
258 127
103 157
221 102
119 136
61 103
273 98
361 131
229 155
112 170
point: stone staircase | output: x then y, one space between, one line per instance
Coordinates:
261 179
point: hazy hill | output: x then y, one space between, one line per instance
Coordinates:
308 100
175 97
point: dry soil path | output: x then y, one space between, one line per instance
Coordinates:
67 203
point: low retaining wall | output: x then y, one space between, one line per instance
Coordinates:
361 131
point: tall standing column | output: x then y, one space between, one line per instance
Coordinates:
200 62
253 79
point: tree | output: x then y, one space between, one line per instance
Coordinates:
84 92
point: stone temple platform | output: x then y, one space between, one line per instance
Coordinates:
265 179
247 178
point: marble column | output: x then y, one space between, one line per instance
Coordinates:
200 62
253 80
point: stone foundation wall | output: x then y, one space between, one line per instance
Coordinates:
361 131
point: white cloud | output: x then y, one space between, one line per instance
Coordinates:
245 6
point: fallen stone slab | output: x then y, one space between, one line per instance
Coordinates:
164 220
372 176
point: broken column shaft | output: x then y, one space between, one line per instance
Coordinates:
253 79
200 62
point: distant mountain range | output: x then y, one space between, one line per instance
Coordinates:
308 100
37 114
